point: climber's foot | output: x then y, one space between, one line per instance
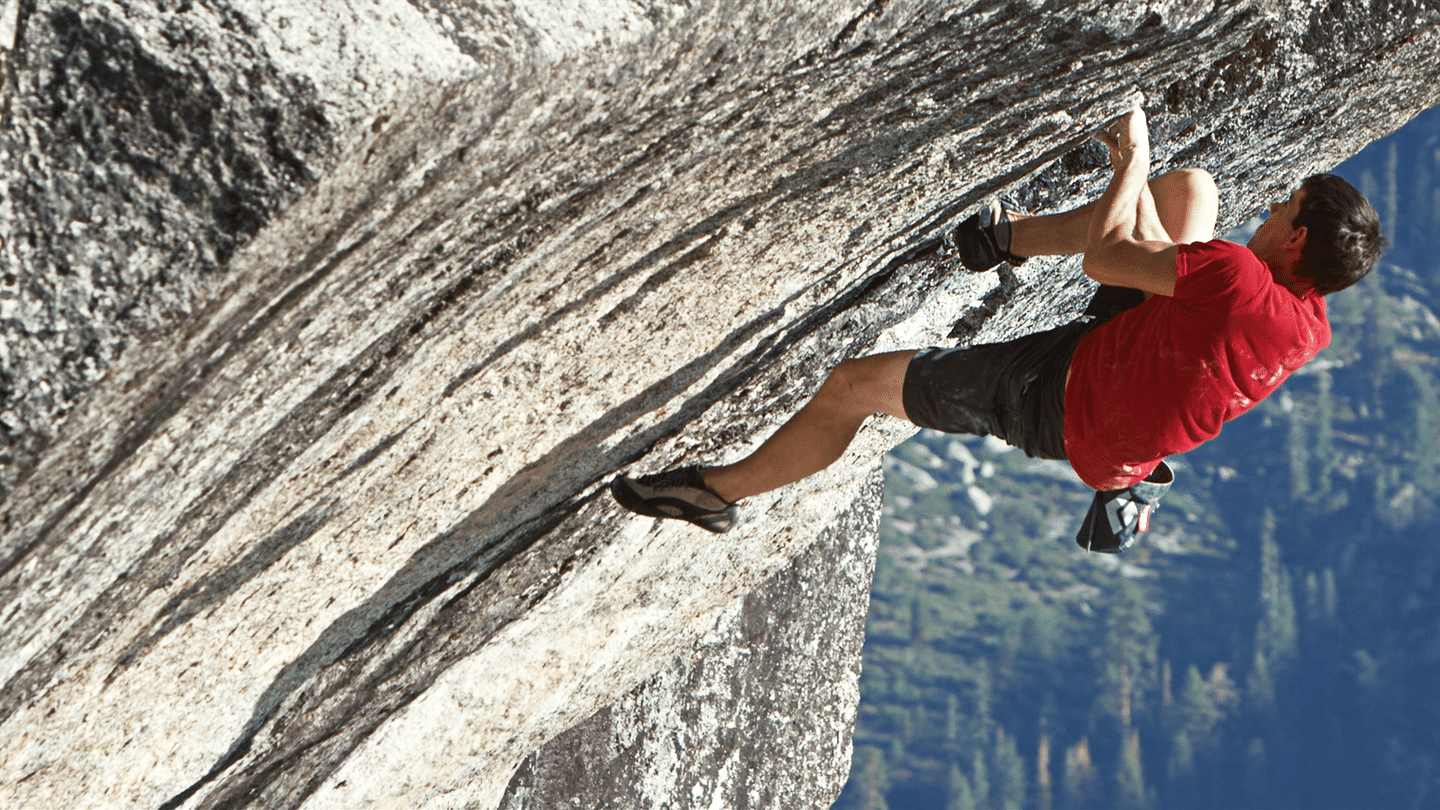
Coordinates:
681 494
982 241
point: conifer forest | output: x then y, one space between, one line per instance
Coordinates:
1271 642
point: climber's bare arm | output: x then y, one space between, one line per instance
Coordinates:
1145 266
1126 245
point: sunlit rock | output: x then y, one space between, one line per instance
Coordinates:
324 326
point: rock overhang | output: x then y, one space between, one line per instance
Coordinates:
376 448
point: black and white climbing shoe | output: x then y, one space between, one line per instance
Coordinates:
1118 517
681 494
982 241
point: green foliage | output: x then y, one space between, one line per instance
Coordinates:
961 796
1199 715
980 778
1130 779
1256 784
1276 634
1260 688
1009 770
1297 443
1181 774
1324 433
868 786
1080 786
1425 433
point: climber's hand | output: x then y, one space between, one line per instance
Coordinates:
1126 136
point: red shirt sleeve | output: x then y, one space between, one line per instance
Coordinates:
1217 275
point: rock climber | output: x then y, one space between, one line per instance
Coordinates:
1185 333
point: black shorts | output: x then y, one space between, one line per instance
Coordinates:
1013 390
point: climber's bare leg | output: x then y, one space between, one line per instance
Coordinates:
817 436
1179 206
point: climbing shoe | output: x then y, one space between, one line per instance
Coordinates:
982 241
681 494
1118 517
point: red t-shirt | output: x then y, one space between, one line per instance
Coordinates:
1161 378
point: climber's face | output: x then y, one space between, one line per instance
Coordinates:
1277 241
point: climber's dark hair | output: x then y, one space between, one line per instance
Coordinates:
1342 234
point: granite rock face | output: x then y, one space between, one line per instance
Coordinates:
324 328
758 715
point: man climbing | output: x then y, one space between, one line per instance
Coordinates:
1185 333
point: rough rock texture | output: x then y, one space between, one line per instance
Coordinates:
758 715
382 294
144 142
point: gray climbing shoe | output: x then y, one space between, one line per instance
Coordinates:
982 242
681 494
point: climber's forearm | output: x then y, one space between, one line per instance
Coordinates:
1116 212
1115 253
1126 245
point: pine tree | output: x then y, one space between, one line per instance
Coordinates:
1045 796
1313 614
1296 443
960 795
871 781
1324 433
1080 786
952 720
980 724
1260 687
1127 654
1009 770
1425 447
1125 695
1329 596
1256 780
1377 342
1167 695
919 722
1222 688
980 780
1276 633
899 687
1181 775
1392 187
1130 778
1199 716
